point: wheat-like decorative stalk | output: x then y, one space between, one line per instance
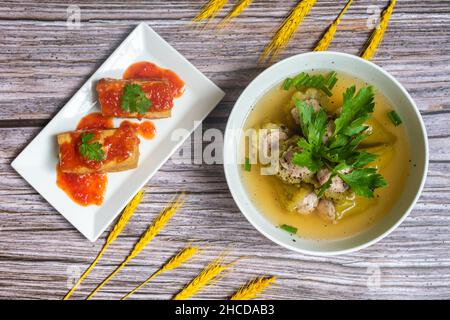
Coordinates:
208 274
114 233
286 30
329 34
252 288
173 263
377 35
146 237
210 10
236 11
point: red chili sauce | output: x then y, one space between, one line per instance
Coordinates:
160 85
84 189
159 92
95 120
121 145
145 129
89 188
150 71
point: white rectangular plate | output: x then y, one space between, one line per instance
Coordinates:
37 162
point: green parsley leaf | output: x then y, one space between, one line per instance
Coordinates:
340 153
309 157
313 125
86 137
344 147
91 151
364 181
356 109
361 159
134 99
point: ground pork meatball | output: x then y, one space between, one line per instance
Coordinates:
272 133
328 131
307 204
337 184
313 102
326 210
290 172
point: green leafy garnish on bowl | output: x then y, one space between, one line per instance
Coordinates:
395 118
247 165
304 80
339 152
288 228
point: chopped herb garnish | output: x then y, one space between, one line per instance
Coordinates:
339 153
326 91
331 79
247 165
394 117
304 80
289 228
287 83
134 99
91 151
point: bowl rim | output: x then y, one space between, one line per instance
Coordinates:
355 248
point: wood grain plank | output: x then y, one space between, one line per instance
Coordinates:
42 64
52 68
206 220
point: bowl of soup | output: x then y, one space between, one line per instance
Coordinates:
325 153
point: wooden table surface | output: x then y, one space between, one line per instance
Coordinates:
43 63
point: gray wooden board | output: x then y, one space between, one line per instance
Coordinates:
42 63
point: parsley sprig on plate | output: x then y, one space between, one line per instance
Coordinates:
91 151
339 153
134 99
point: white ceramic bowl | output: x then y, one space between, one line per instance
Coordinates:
362 69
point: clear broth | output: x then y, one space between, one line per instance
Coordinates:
263 194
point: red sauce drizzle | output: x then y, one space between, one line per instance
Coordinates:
118 147
84 189
121 144
150 71
70 157
95 121
145 129
89 189
110 94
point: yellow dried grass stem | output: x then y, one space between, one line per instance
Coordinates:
253 288
286 30
377 35
205 277
329 34
114 233
173 263
146 237
236 11
210 10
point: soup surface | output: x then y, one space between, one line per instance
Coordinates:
392 162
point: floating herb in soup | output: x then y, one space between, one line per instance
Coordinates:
341 160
